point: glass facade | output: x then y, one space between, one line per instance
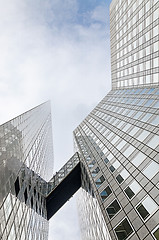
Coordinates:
25 154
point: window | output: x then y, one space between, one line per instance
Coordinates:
156 105
134 131
150 91
113 208
146 117
146 208
8 206
149 102
128 151
156 233
121 144
127 127
116 164
155 121
106 160
105 193
100 181
143 135
123 230
138 159
133 189
112 169
115 140
91 164
153 143
110 156
122 176
119 178
95 171
141 100
137 115
151 170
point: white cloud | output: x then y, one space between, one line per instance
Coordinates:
100 14
47 54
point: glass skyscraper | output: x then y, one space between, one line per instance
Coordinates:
117 147
25 156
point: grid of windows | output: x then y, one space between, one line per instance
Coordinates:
25 153
121 135
118 144
134 43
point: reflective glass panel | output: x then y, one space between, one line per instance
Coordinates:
151 170
154 142
147 207
156 234
105 193
113 208
128 151
123 230
143 135
100 181
138 159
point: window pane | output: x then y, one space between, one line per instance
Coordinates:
138 159
156 104
95 171
128 151
91 164
105 193
147 207
146 117
135 187
143 135
121 144
112 169
149 102
150 205
119 178
116 164
123 230
155 121
113 209
143 212
153 143
151 170
129 192
156 234
100 181
106 160
134 131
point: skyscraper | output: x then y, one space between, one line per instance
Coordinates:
117 161
25 155
118 141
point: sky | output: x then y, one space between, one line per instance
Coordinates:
56 50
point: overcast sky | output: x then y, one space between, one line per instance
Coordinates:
57 50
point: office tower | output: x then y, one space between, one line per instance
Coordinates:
25 156
118 141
